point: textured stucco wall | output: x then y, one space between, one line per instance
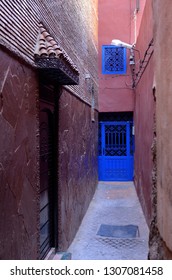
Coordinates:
72 23
77 164
144 116
117 20
163 72
19 180
114 23
65 21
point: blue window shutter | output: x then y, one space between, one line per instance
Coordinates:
113 60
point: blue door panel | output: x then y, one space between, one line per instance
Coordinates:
118 169
115 159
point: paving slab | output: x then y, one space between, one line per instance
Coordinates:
114 210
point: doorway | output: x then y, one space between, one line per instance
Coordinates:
48 182
116 146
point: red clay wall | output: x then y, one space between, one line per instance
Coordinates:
19 208
143 117
65 21
77 164
162 247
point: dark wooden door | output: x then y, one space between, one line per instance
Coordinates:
46 181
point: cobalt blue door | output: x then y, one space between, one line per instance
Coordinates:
115 151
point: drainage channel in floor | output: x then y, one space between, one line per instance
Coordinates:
116 231
126 237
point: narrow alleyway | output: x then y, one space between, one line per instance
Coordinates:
114 226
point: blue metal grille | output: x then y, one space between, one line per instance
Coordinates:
115 140
113 60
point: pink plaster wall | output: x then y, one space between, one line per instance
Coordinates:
116 21
163 73
143 117
136 18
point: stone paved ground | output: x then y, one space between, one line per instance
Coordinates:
114 203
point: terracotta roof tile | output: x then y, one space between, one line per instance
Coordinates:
47 47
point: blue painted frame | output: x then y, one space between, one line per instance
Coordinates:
116 50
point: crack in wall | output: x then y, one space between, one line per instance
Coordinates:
1 88
4 79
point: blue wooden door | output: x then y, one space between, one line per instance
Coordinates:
115 151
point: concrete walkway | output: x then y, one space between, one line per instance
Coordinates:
114 227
